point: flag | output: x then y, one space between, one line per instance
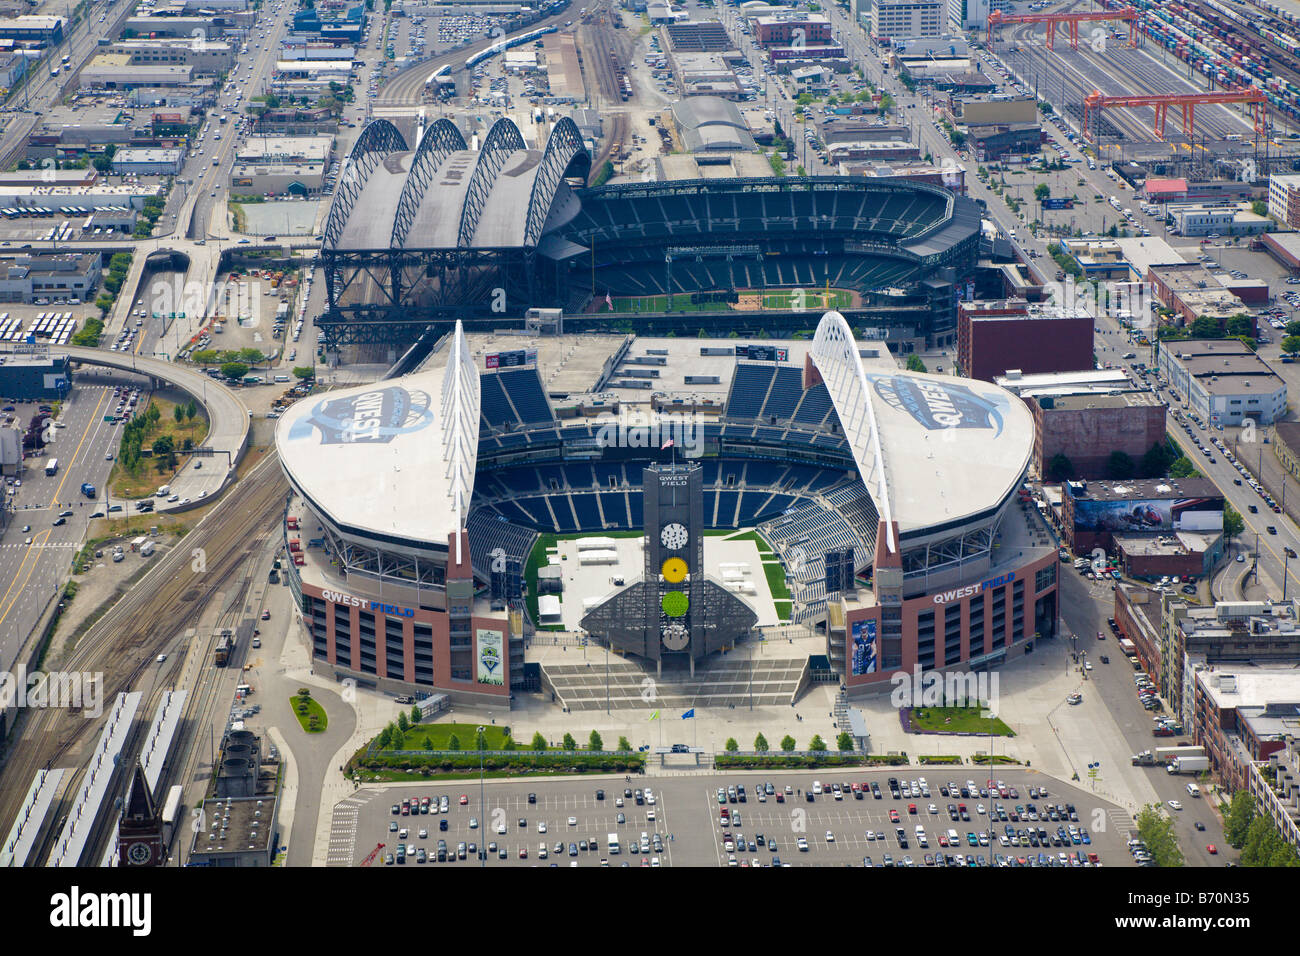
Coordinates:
655 715
666 445
689 714
608 301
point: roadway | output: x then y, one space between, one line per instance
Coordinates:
228 427
34 552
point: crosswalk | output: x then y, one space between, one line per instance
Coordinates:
343 832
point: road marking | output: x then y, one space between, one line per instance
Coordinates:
36 550
86 434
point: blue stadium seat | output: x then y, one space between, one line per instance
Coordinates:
525 391
588 515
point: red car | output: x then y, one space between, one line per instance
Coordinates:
266 615
911 808
893 816
464 800
1211 849
523 853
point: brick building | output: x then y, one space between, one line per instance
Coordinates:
1088 429
993 337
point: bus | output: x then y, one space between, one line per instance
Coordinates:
54 71
52 466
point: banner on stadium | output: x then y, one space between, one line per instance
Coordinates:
491 663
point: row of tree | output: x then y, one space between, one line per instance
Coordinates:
1161 460
844 742
1255 835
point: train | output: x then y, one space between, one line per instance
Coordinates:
509 43
225 647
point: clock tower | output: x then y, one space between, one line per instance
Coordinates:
674 558
140 831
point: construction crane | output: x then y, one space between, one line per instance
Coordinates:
370 858
1071 20
1096 101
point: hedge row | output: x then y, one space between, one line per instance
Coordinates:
523 760
950 758
797 761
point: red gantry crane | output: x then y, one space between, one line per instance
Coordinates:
1096 101
1071 20
371 857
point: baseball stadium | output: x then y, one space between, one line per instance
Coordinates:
417 238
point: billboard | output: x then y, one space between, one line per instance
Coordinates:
510 359
491 663
1149 515
864 650
763 353
1060 202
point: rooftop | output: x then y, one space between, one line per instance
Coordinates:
1128 399
236 825
1159 489
1233 687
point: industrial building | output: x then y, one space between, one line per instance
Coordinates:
1088 429
1193 292
54 277
148 162
995 336
116 71
32 378
1284 199
1224 381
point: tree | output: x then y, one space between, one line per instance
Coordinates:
415 714
844 741
914 363
403 723
1240 326
251 356
1042 191
178 414
385 736
426 743
1259 207
787 743
624 745
539 742
304 372
817 745
594 742
1120 465
509 744
1182 467
1205 327
731 745
480 740
569 743
191 411
234 371
1239 818
1157 832
1156 461
1293 328
760 744
164 449
1291 344
1060 468
1233 523
453 742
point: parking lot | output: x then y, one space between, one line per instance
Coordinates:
509 821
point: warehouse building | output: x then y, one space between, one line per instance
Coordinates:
30 378
1224 381
57 278
1088 429
148 162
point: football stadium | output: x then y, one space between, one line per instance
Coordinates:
673 500
418 237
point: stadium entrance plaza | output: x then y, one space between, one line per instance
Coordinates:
1053 740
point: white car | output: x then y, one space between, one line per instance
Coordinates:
541 826
830 837
573 821
1175 805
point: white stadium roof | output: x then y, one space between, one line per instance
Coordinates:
932 449
393 459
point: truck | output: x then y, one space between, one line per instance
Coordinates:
88 489
612 843
1165 754
1144 759
1189 765
52 466
1128 647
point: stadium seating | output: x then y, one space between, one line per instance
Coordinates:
525 391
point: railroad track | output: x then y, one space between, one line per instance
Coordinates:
126 640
